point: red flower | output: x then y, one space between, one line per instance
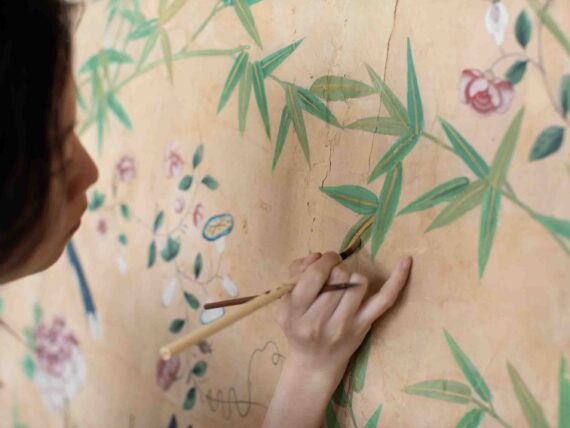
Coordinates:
198 215
485 95
174 161
126 169
166 372
102 226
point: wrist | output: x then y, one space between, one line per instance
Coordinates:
314 378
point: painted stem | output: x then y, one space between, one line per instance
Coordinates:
351 411
213 13
552 26
13 333
491 411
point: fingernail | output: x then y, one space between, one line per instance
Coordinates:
406 262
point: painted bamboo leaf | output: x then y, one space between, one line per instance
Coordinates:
210 182
468 199
380 125
504 155
143 30
296 114
373 421
565 95
117 108
185 183
281 135
564 401
388 98
339 88
172 10
556 225
151 255
469 370
356 198
312 105
465 150
158 221
441 389
547 143
197 157
360 364
415 109
550 24
339 397
274 60
244 14
260 96
80 100
133 17
190 399
530 407
516 72
362 230
331 420
110 55
523 29
171 250
394 156
147 49
191 300
100 126
198 265
388 205
471 419
233 78
439 194
2 306
38 314
167 54
489 219
244 94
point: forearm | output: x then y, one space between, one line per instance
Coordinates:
300 397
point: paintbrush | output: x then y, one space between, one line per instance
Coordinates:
198 335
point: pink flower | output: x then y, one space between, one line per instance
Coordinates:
485 95
166 372
198 215
61 367
126 169
179 205
174 161
102 226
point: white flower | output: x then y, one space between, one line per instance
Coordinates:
496 20
210 315
168 292
122 264
229 286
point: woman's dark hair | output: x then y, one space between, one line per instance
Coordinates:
35 63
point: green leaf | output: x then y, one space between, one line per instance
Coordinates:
260 97
198 265
500 166
80 99
340 398
439 194
176 325
117 57
125 211
523 29
388 98
198 155
468 199
394 156
296 114
516 72
469 370
564 402
312 105
415 109
274 60
233 78
147 49
362 229
151 255
29 367
100 126
97 200
445 390
192 300
158 221
471 419
145 29
331 421
200 368
356 198
118 110
185 183
339 88
550 24
388 205
246 17
530 407
465 150
244 94
281 135
171 250
565 95
360 364
210 182
373 421
489 219
133 17
380 125
167 53
172 10
123 239
556 225
38 314
547 143
190 399
30 336
2 306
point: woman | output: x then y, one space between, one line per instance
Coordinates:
45 172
